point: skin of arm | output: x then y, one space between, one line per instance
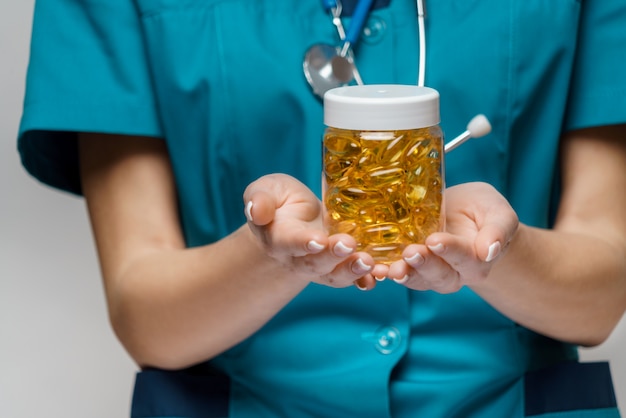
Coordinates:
568 282
173 306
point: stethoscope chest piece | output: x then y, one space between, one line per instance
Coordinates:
325 68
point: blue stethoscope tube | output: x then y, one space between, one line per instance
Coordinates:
358 18
356 25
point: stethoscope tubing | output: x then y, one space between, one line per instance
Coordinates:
335 8
359 17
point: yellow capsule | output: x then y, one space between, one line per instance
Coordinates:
334 166
345 227
416 193
384 176
342 145
339 208
382 234
391 150
349 202
373 214
417 151
383 254
396 198
425 217
356 193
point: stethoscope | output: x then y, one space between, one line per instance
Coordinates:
327 66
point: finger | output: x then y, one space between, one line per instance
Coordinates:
337 248
322 260
277 191
460 264
290 237
263 196
492 238
456 250
398 270
496 228
365 283
380 272
412 260
293 239
420 269
352 270
414 255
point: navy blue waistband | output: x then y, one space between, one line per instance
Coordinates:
197 392
202 392
569 386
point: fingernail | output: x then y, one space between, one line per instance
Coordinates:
359 267
314 246
494 250
340 249
437 249
402 280
358 286
379 279
249 211
415 260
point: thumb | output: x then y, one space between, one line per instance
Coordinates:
260 208
263 196
495 235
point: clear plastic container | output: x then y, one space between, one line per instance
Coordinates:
383 166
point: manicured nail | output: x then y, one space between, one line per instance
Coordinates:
494 250
314 246
415 260
379 279
358 286
341 250
402 280
249 211
359 267
437 249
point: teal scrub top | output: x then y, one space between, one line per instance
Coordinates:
221 82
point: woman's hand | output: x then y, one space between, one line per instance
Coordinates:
479 225
286 217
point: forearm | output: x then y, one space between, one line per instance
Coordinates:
567 285
169 305
173 308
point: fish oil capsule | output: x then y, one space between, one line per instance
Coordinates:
383 174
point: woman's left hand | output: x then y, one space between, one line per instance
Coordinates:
479 225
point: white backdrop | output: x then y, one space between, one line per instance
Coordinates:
58 356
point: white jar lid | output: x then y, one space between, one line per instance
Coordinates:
381 107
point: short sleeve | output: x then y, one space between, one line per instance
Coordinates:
87 73
598 87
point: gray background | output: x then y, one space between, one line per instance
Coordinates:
58 356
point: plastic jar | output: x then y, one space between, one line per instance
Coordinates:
383 166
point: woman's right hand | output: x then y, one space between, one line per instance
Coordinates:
286 218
